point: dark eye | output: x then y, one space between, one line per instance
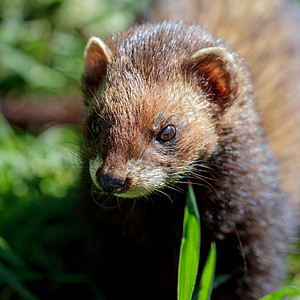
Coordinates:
95 126
167 134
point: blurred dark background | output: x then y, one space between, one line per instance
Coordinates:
42 255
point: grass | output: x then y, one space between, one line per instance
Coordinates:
190 256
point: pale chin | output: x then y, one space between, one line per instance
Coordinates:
131 195
95 164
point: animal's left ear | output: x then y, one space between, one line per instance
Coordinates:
97 56
215 70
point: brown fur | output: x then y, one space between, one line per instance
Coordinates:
153 80
266 34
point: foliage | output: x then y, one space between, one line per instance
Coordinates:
190 256
35 168
208 274
42 41
281 293
190 249
38 227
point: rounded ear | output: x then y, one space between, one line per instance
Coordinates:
96 57
215 70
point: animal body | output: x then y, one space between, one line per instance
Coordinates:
168 102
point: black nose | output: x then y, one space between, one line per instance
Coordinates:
112 184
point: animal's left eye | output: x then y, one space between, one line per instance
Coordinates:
167 134
95 127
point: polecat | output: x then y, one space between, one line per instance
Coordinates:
167 102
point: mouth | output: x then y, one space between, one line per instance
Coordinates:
120 192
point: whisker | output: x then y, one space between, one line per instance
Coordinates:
94 96
241 247
200 176
159 191
133 205
88 128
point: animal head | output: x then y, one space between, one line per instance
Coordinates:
154 97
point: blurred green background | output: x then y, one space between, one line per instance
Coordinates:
41 50
41 57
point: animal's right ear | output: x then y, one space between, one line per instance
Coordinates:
96 58
215 70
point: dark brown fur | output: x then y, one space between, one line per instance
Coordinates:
220 146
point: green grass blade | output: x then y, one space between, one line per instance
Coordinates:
208 274
6 254
11 280
190 248
279 294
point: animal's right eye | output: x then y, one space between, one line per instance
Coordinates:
95 127
167 134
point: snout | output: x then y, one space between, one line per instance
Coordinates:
112 184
